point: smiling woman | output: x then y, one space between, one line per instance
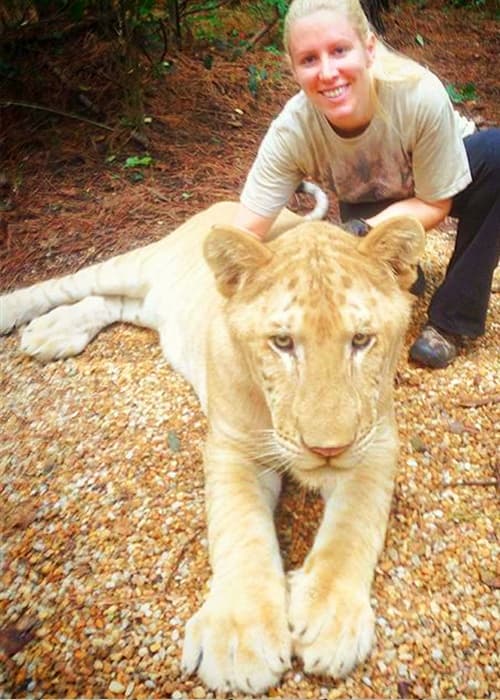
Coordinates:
381 131
330 63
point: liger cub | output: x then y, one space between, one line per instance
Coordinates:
291 347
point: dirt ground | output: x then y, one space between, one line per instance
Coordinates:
104 553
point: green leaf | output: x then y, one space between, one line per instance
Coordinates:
469 91
461 93
255 77
455 96
420 40
138 162
145 7
273 49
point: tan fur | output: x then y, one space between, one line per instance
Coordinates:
292 349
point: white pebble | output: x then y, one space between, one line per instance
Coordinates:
116 688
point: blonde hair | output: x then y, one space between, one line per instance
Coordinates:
388 66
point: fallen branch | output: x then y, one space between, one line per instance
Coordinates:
473 482
180 555
41 108
204 10
262 32
483 401
47 30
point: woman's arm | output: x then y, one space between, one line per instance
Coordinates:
254 224
428 213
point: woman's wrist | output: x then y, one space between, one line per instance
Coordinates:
429 214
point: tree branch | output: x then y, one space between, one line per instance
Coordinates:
41 108
482 401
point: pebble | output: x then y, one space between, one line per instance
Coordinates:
116 688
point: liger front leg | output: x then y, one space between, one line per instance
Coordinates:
239 639
330 615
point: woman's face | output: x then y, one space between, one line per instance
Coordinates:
330 62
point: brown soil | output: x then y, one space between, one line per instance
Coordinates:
68 204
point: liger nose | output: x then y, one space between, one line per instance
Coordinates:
329 451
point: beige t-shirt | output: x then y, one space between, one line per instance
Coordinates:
413 148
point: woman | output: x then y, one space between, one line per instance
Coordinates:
382 131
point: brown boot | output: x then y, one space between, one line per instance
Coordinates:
434 348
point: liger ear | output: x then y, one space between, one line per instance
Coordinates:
400 242
232 256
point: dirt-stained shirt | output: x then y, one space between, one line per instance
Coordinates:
413 147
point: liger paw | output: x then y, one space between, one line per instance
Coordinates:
235 644
332 625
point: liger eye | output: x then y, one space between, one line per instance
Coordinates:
360 340
283 342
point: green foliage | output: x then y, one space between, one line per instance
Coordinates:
274 50
469 4
145 7
209 27
255 77
206 21
144 32
138 162
266 8
461 93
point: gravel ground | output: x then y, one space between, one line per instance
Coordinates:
104 546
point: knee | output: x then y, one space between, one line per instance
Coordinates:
483 152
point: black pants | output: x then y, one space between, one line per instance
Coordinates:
460 304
